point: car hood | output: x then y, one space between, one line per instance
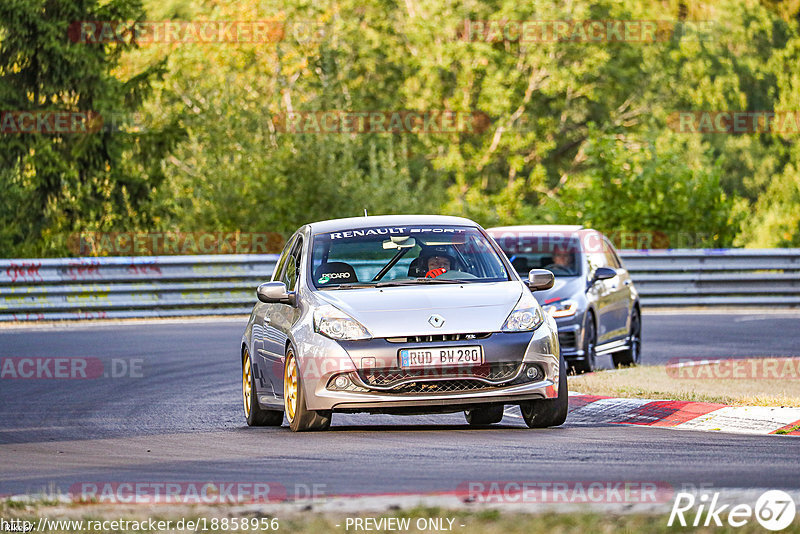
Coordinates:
564 287
404 311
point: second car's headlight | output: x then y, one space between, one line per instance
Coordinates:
527 315
563 308
332 322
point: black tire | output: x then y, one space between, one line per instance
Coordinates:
542 413
589 361
303 419
633 355
487 415
255 415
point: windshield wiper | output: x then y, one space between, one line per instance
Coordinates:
417 281
352 285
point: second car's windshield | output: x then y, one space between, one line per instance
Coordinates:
557 254
400 255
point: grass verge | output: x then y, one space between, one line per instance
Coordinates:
746 382
486 521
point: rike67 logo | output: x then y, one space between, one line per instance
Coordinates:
774 510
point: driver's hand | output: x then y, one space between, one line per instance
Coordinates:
433 273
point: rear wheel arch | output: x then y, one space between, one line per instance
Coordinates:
254 413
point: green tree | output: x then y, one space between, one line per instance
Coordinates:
236 172
648 187
57 184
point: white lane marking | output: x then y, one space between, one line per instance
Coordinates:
695 363
750 312
744 419
111 323
33 428
765 317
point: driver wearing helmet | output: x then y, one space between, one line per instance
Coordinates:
436 262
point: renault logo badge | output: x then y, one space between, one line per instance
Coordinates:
436 320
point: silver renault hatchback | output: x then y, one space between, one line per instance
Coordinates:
400 315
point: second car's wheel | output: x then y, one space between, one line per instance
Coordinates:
589 361
255 415
488 415
633 354
542 413
300 418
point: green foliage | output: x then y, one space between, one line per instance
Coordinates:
55 184
578 132
641 187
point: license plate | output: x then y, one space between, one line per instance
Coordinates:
441 357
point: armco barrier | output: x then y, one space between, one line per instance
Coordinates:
146 286
716 277
164 286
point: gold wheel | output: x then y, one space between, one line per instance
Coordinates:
247 385
290 385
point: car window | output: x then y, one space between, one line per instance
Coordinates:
366 270
278 272
595 260
558 254
405 255
293 265
617 258
611 256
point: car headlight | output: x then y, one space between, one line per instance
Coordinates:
527 315
564 308
332 322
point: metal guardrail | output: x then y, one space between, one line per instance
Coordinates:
166 286
121 287
716 277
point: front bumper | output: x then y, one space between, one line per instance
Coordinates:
570 336
382 402
433 393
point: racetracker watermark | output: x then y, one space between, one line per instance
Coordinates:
581 491
173 243
199 492
364 122
584 31
69 122
196 32
735 122
544 241
70 368
748 369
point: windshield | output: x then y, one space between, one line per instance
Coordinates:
403 255
554 253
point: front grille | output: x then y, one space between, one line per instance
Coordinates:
438 338
388 377
566 339
442 386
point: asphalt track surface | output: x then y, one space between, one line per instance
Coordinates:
181 420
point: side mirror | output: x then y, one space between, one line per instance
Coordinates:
603 273
275 292
539 279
